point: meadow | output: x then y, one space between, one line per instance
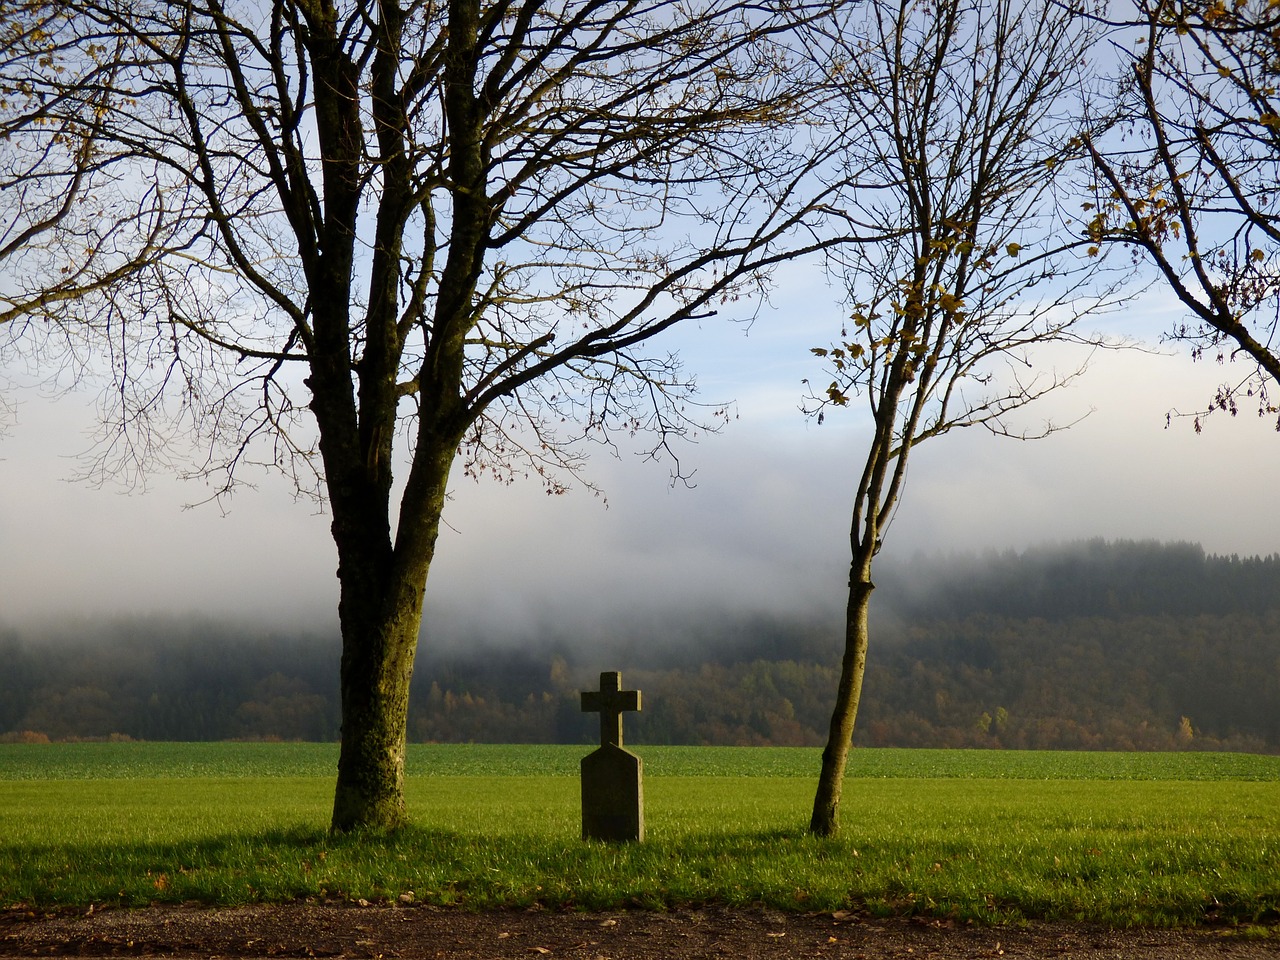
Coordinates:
994 836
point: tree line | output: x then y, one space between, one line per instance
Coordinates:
1092 578
1094 676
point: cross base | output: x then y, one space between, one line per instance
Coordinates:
612 795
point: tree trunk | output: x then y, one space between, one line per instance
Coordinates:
377 665
381 617
825 821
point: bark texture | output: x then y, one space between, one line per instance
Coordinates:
381 617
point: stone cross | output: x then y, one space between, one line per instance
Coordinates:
612 778
610 702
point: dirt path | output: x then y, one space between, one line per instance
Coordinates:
419 932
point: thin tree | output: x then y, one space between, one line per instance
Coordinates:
460 223
1192 188
965 115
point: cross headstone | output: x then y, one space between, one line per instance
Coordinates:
612 778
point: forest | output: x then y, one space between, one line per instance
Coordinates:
1092 645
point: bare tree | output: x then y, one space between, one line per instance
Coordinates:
963 121
1192 186
430 233
60 239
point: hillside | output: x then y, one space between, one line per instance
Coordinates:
1086 646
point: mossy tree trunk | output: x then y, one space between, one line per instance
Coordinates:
381 616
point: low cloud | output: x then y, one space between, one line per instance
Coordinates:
764 528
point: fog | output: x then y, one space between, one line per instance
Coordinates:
763 527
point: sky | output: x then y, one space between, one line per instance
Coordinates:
763 528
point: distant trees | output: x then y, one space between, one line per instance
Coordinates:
1192 186
1087 683
367 239
964 120
1020 651
168 680
1092 578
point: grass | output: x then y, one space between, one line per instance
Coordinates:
1121 839
97 761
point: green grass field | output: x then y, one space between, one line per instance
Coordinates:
1121 839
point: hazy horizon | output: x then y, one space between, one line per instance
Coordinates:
764 528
